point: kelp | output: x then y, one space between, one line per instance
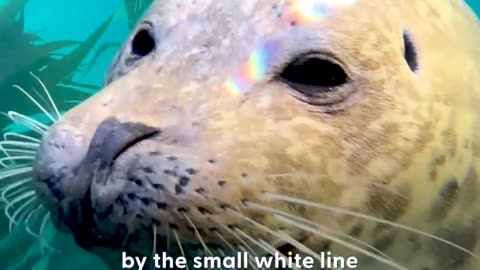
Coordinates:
134 10
27 57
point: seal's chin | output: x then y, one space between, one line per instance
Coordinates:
63 177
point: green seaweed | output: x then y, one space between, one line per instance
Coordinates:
29 54
26 54
135 9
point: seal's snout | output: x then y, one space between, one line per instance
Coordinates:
112 138
59 153
67 164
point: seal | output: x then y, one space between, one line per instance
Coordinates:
287 126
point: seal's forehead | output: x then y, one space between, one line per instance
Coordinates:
173 11
248 38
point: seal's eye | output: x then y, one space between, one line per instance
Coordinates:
313 72
410 53
142 43
318 79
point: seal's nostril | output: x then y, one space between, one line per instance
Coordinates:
112 138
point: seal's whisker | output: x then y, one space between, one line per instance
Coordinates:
128 232
45 89
317 226
260 244
27 145
29 122
238 238
229 245
18 212
198 235
44 244
32 213
167 232
19 198
19 151
338 241
250 259
268 230
154 244
13 189
180 246
14 171
30 157
347 212
49 115
307 250
22 212
16 136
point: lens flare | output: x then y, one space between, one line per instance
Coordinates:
256 67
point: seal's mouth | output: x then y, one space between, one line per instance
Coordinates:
67 191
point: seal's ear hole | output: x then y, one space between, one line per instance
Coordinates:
313 70
410 52
143 43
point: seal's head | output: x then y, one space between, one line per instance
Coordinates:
290 125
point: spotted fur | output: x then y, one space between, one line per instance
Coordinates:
404 146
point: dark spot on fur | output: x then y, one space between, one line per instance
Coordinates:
158 186
356 230
145 201
469 191
161 205
203 211
155 153
131 196
191 171
139 216
156 222
211 161
138 182
173 226
244 175
244 201
388 205
183 181
414 242
190 229
200 190
448 195
182 210
148 169
221 183
178 189
172 158
384 240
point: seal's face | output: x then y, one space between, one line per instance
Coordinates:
226 124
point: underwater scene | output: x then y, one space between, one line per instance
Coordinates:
55 55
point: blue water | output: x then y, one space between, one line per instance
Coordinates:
71 20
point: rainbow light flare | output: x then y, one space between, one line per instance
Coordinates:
308 11
260 60
255 69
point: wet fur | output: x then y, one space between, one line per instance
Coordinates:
405 147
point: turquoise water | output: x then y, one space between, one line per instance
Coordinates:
56 20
